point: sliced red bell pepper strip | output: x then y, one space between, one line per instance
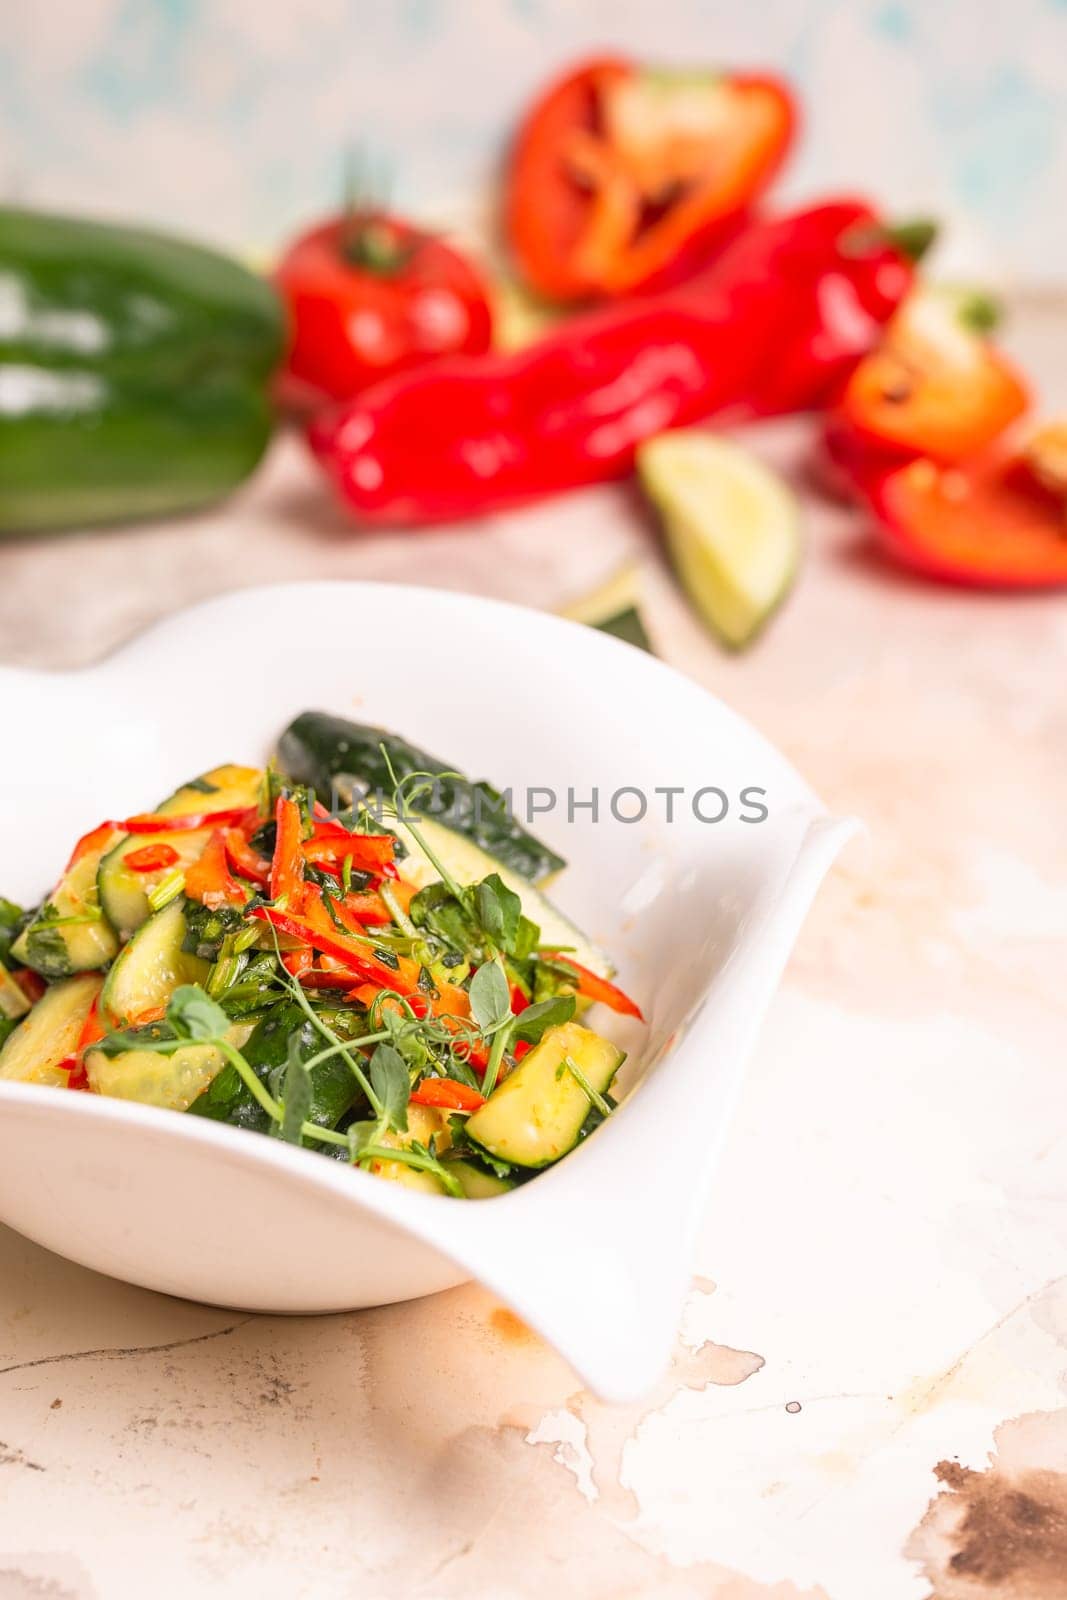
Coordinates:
154 822
622 176
991 524
151 858
519 1001
593 987
297 963
448 1094
96 839
243 859
93 1029
361 966
287 867
368 852
209 880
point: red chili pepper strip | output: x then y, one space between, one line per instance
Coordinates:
519 1001
153 822
96 839
776 324
243 859
368 852
93 1029
209 880
287 868
448 1094
521 1047
297 963
358 964
151 858
593 987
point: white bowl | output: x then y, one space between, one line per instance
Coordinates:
700 917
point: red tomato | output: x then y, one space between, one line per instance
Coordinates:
369 295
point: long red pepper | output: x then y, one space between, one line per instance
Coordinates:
287 868
778 320
591 986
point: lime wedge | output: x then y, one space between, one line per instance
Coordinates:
615 607
732 528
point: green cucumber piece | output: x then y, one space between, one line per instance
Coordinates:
152 1078
614 608
477 1183
732 528
150 968
467 863
124 893
323 751
49 1034
69 933
14 1001
334 1090
535 1116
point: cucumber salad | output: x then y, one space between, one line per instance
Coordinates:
350 951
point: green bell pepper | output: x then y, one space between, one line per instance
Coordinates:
134 372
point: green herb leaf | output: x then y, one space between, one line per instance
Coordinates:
360 1135
194 1015
296 1094
490 996
498 909
533 1023
392 1084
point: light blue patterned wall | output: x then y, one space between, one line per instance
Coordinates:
226 117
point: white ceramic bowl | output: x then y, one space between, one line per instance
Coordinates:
595 1253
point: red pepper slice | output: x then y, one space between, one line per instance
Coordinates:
591 986
622 176
151 858
448 1094
519 1001
297 963
359 965
287 868
243 859
154 822
208 879
991 524
368 852
96 839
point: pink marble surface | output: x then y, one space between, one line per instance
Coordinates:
867 1400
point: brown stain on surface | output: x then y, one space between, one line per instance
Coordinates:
1001 1532
511 1327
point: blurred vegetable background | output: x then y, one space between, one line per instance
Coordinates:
628 243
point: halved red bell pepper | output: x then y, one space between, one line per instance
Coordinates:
935 386
591 986
624 176
988 524
448 1094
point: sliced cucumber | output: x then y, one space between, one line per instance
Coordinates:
614 608
154 1079
424 1123
536 1114
124 893
150 968
732 527
14 1001
50 1033
477 1183
468 863
70 932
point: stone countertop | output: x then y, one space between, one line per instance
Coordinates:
867 1397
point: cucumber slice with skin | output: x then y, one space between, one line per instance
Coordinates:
152 1078
536 1114
477 1183
150 968
124 893
69 933
732 528
468 863
50 1033
14 1001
